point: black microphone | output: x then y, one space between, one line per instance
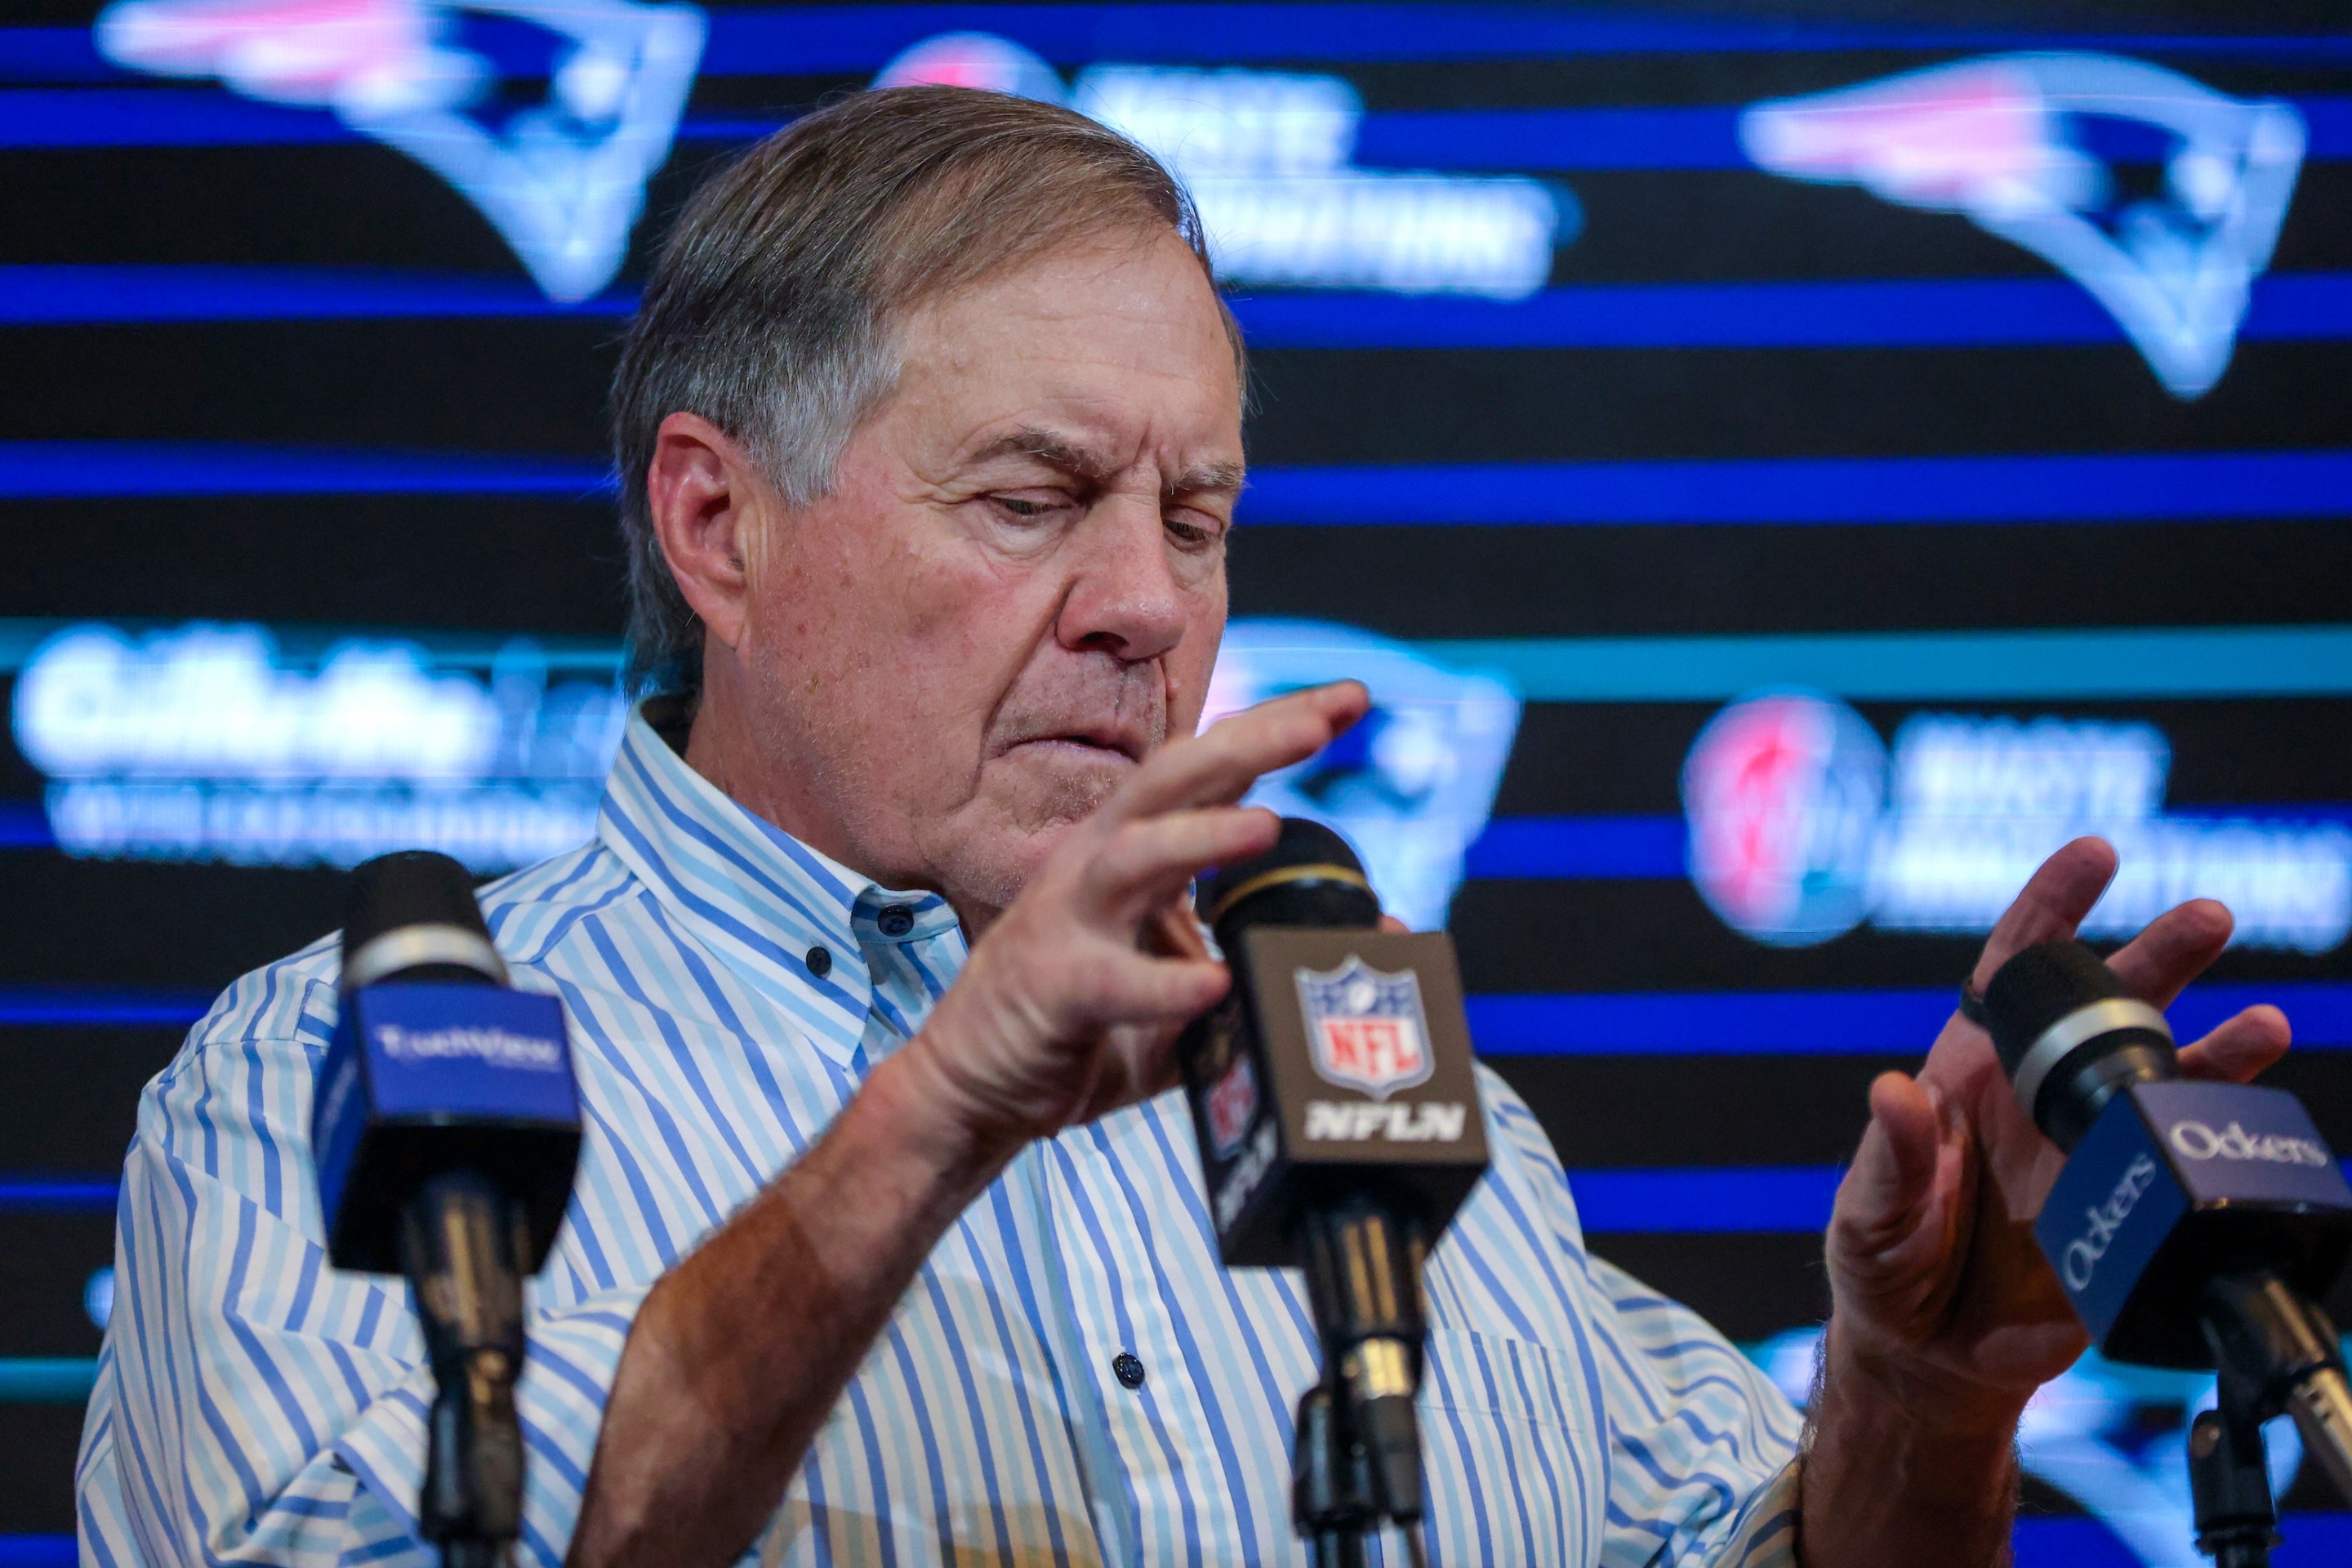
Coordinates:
1337 1114
2195 1225
447 1131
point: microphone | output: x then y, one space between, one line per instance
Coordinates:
2195 1225
1337 1109
447 1129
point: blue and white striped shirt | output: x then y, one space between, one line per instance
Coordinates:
254 1404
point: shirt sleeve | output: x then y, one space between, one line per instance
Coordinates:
1702 1446
255 1404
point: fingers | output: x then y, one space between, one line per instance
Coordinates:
2240 1048
1138 988
1894 1168
1174 931
2053 903
1215 767
2155 966
1394 927
2159 963
1148 862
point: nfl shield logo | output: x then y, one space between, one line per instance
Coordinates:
1366 1028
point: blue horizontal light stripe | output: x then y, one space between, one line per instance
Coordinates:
1913 314
49 470
2311 1541
2028 489
1549 847
37 1551
2134 487
1669 1022
1988 666
74 295
1929 314
1725 1023
848 37
71 1006
824 39
1696 1200
56 1194
1699 137
1728 1198
1692 137
53 54
98 117
1716 1200
45 1380
1830 1023
24 826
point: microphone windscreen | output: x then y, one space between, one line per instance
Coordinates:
2039 987
1310 876
409 888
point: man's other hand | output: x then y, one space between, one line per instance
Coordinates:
1940 1291
1073 999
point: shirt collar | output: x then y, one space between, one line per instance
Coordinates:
755 895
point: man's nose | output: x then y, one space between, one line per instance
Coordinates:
1124 597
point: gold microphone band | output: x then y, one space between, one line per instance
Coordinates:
1318 872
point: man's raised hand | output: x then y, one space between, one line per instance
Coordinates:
1072 1001
1933 1266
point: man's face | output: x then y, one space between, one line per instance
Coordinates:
1015 588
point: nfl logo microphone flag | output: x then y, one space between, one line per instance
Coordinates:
1366 1028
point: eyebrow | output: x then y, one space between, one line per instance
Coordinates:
1059 451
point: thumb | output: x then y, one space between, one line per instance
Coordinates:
1894 1171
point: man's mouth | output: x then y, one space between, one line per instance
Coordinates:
1075 738
1105 742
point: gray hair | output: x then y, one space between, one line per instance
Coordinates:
772 307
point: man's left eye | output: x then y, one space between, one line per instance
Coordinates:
1034 504
1194 530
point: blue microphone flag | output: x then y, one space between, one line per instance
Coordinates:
2173 1175
415 1069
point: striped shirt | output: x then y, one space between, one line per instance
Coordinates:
255 1405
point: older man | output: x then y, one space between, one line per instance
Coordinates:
885 1249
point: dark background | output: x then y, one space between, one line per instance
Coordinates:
534 385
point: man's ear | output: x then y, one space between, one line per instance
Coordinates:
707 505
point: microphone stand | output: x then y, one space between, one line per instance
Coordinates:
1355 1461
2230 1480
459 1244
2287 1354
1331 1487
1331 1483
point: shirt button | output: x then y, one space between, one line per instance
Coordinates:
897 920
819 962
1128 1368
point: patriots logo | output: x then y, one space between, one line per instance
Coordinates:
2013 143
562 180
1365 1026
1410 787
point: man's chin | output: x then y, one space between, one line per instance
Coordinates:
1025 808
1047 785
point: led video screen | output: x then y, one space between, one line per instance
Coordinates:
1779 478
